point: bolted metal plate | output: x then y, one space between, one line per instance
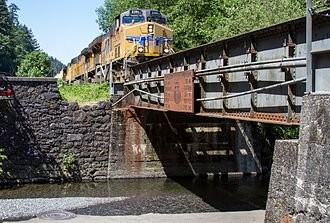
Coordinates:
56 215
179 91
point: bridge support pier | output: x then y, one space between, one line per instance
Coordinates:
147 143
246 148
299 186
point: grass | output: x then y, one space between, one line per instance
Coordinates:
85 94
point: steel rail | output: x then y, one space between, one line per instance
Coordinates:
253 91
160 78
132 91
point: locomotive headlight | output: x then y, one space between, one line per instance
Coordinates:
140 49
166 50
150 28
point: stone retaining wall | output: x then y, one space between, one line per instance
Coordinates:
47 139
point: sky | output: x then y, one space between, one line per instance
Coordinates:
62 27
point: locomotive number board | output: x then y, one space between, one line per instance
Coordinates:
179 91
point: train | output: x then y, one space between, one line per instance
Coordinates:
137 35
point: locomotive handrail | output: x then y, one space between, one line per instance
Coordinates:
144 80
259 65
129 52
132 91
253 91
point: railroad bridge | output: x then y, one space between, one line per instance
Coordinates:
258 76
193 112
207 101
204 103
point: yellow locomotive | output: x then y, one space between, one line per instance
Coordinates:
137 35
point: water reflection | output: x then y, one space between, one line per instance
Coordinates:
177 195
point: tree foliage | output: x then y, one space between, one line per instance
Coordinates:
6 26
197 22
3 157
16 39
56 66
246 15
35 64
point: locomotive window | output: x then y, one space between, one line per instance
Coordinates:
157 19
154 12
132 19
135 12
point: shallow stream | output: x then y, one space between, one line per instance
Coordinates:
178 195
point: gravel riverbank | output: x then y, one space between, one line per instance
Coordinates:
16 209
213 217
143 200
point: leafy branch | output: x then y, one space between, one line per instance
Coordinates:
3 157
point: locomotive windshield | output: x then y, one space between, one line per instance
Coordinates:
132 19
156 16
139 16
157 19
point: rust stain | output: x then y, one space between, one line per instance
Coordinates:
287 219
134 150
179 91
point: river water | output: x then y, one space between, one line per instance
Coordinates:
178 195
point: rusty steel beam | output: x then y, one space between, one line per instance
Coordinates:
179 91
258 117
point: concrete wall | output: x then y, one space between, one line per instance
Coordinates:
300 186
158 143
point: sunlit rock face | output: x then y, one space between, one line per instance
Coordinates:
299 187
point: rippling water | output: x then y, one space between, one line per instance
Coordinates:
179 195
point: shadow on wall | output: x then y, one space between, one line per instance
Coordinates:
24 157
26 161
189 145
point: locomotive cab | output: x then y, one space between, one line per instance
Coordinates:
136 36
141 35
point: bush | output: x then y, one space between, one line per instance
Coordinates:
2 158
85 93
35 64
68 162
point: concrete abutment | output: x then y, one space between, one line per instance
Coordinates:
299 188
170 144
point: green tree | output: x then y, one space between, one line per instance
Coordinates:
24 43
56 66
16 40
6 51
112 8
35 64
5 19
194 22
197 22
242 16
13 11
